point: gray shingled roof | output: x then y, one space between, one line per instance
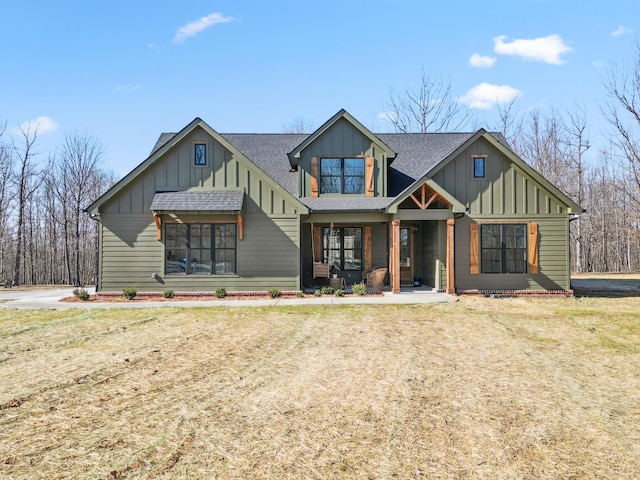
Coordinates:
206 201
417 154
269 152
351 204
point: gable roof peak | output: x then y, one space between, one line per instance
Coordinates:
294 155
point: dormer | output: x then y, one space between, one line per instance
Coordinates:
342 158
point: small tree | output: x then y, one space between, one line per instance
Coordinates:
431 107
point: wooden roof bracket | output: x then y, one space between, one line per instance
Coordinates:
240 228
158 221
425 202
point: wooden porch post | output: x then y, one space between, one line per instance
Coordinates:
451 281
394 256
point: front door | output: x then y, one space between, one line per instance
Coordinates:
406 256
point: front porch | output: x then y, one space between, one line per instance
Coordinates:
414 240
343 254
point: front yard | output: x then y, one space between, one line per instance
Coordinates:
481 388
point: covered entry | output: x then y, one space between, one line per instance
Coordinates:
421 239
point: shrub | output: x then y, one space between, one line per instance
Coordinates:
168 294
81 293
318 293
273 292
359 288
129 292
327 290
339 293
220 292
300 294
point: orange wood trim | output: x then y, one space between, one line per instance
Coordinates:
367 249
451 281
370 171
533 248
315 168
317 244
411 249
473 240
424 191
416 201
240 228
394 256
431 200
158 221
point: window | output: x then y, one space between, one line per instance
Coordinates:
200 154
503 248
405 247
200 249
342 175
478 167
342 247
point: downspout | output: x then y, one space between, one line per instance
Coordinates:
96 218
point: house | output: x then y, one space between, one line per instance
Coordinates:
460 211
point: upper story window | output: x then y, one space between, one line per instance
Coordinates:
342 175
479 167
200 154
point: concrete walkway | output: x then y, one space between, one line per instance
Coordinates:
51 298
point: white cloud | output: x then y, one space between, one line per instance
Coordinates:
480 61
544 49
598 64
42 124
484 96
621 30
193 28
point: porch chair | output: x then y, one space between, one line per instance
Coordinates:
375 279
320 270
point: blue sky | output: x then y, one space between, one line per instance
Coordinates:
125 71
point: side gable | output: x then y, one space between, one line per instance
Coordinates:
170 168
510 185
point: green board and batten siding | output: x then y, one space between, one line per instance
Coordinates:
343 139
130 252
506 194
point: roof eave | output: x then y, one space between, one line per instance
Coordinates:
294 155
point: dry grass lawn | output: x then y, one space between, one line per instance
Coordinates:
482 388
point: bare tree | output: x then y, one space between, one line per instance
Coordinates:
542 143
431 107
623 113
27 179
76 173
578 143
298 125
510 123
6 203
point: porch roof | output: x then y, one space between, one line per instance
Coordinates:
342 204
198 201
